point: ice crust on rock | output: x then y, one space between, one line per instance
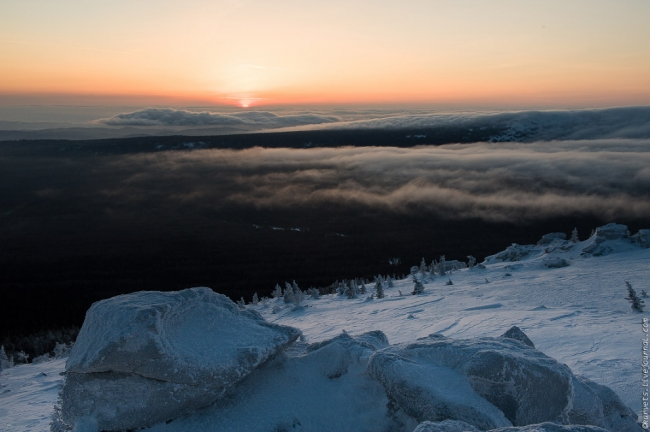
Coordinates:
175 350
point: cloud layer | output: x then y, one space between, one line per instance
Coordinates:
504 182
529 126
175 117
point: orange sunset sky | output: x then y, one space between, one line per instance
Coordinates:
578 53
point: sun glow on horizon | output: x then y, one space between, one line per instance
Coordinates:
586 52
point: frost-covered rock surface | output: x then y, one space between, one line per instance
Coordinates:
493 382
147 357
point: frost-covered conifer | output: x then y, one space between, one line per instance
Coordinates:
342 288
449 282
391 282
277 292
352 290
4 360
256 299
423 266
574 236
379 289
22 357
288 293
313 293
418 288
441 266
61 349
471 262
362 288
644 294
636 303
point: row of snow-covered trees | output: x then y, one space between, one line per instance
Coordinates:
35 347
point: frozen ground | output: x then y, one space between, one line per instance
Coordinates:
576 314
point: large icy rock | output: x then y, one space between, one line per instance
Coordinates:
612 231
147 357
487 382
424 380
599 405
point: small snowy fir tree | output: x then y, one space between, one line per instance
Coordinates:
449 282
4 360
362 288
277 292
574 236
62 349
255 300
352 290
391 282
441 266
342 288
241 303
644 294
379 289
637 303
471 261
313 293
22 357
293 294
423 267
418 288
288 293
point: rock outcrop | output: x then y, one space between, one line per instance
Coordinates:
148 357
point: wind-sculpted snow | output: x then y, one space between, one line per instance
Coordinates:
320 387
146 357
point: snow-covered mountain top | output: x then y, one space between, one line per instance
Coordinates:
567 296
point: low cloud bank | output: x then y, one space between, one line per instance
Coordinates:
174 117
499 182
529 126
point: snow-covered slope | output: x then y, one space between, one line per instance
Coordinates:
569 298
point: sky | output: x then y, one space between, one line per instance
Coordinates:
254 53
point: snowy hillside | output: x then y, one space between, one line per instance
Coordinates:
567 297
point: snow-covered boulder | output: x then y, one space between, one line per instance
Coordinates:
598 405
423 379
490 382
548 238
147 357
445 426
612 231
